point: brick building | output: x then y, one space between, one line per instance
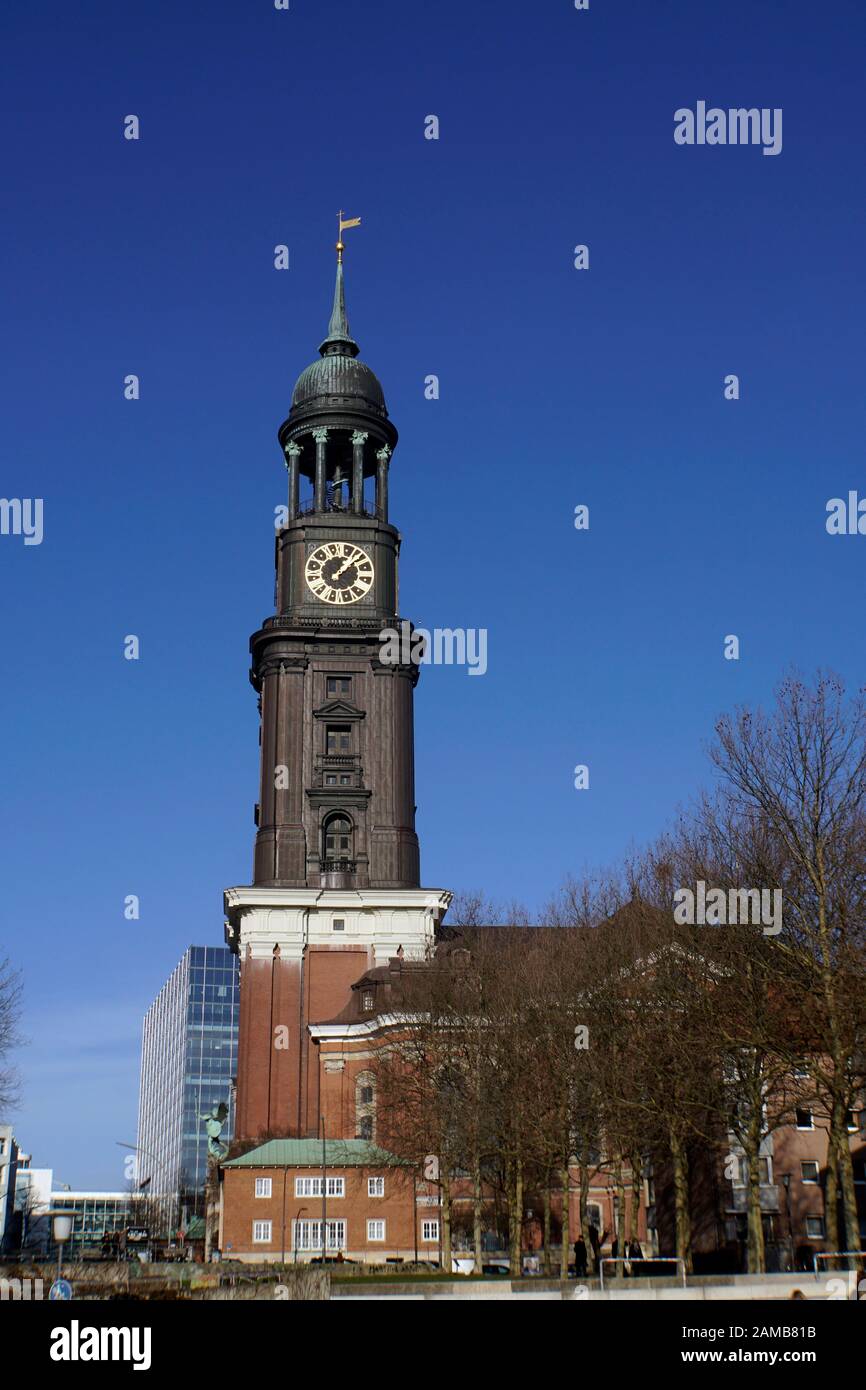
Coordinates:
273 1207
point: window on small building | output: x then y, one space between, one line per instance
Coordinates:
809 1170
814 1227
339 924
375 1230
375 1187
851 1121
365 1127
430 1232
263 1187
261 1232
312 1187
307 1235
804 1119
339 738
339 685
365 1095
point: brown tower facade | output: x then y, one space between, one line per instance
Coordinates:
336 865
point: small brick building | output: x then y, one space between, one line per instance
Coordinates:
271 1205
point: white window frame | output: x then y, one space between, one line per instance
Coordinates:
819 1235
430 1231
307 1235
375 1187
804 1129
810 1182
374 1224
335 926
309 1186
264 1187
259 1230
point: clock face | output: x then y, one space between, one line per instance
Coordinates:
339 572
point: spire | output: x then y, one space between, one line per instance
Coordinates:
338 339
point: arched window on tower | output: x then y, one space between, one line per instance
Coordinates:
338 839
365 1105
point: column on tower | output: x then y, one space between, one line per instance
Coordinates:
382 457
320 435
359 439
293 454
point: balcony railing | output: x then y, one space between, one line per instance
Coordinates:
337 866
332 504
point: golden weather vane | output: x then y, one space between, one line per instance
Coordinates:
351 222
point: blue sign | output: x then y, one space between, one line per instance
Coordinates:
61 1288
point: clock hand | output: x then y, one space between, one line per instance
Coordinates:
345 565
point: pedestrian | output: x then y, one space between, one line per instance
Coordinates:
580 1258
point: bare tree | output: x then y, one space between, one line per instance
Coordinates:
10 1013
802 770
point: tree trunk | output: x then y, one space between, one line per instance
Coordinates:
546 1229
636 1189
755 1223
831 1199
681 1199
619 1219
476 1213
515 1217
584 1217
850 1214
566 1224
445 1191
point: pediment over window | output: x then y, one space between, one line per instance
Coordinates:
338 709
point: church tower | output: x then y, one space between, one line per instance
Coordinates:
336 882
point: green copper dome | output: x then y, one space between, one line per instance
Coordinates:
338 378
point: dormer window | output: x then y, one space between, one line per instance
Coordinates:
367 1000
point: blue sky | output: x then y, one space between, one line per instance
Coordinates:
558 387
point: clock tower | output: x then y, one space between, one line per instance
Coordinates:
336 884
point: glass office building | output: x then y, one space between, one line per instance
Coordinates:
188 1064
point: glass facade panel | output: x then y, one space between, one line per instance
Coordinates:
188 1064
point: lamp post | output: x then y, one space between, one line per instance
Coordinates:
61 1229
295 1240
161 1163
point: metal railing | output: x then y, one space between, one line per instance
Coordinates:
837 1255
333 504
